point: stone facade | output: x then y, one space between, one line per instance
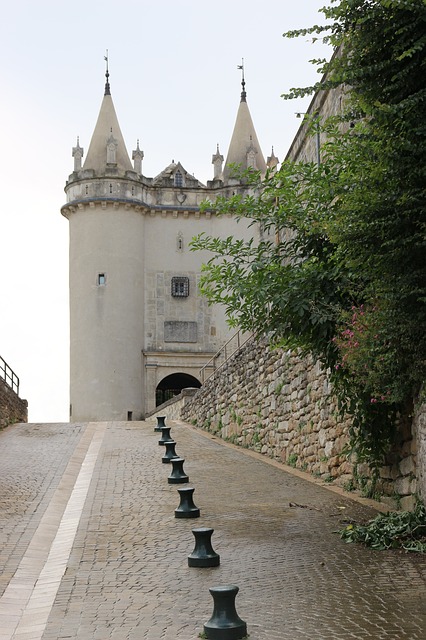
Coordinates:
282 405
132 332
306 145
12 407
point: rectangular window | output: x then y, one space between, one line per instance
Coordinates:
180 287
101 279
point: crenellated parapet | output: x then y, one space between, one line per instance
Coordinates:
143 209
85 187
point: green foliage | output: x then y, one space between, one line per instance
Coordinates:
292 459
345 280
349 485
235 417
279 387
255 438
398 530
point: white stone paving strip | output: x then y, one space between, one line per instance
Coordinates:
28 599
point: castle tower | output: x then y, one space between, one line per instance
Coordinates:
139 330
106 276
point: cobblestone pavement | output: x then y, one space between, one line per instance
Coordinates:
90 547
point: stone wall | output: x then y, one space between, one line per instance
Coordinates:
307 145
282 405
419 447
174 407
12 408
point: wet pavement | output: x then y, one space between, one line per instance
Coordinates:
90 547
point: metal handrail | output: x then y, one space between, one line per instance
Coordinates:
227 350
9 376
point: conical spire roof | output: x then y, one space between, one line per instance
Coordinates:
107 133
244 148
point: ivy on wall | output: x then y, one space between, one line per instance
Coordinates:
341 272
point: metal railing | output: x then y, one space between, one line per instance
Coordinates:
230 347
9 376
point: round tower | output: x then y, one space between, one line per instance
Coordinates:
106 260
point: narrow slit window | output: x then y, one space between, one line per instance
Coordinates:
101 279
180 287
179 242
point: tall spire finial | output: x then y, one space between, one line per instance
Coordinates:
243 82
107 87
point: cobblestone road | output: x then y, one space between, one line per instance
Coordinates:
90 547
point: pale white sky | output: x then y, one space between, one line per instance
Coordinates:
175 86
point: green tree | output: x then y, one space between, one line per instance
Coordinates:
346 279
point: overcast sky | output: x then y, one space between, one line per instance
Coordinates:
176 87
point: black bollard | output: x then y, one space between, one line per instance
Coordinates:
161 422
203 554
170 451
165 435
178 475
186 508
225 623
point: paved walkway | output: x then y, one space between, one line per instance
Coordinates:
90 547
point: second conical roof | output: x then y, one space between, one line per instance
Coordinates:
243 141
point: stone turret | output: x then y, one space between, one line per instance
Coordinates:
77 154
106 275
217 162
137 157
107 170
272 161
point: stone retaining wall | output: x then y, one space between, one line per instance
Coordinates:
174 407
419 448
276 403
12 407
281 405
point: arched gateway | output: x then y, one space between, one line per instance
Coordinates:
172 385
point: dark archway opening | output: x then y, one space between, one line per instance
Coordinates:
172 385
